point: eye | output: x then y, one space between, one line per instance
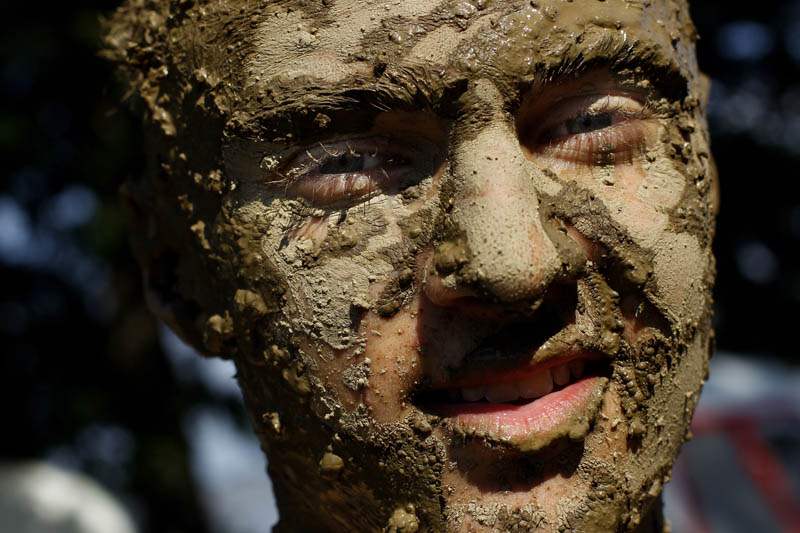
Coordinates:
593 130
351 161
353 170
586 122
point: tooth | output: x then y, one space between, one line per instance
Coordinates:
561 375
473 394
576 367
537 386
502 392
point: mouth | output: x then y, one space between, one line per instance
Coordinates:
523 390
529 411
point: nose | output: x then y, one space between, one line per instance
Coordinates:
500 242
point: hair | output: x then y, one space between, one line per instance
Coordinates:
181 78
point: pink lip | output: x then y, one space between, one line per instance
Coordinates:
531 426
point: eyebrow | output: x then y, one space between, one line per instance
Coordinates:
421 86
414 86
618 54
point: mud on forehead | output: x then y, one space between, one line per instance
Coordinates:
346 39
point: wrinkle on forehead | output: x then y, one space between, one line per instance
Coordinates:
362 17
287 45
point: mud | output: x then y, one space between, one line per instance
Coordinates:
338 307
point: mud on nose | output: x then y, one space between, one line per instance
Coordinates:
501 247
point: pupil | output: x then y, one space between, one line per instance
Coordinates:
587 123
347 162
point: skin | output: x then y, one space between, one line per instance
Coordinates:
520 162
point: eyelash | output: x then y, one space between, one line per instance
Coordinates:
327 174
619 142
616 144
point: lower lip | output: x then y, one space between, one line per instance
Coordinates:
566 413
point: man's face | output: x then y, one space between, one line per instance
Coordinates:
473 246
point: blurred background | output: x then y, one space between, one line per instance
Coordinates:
100 400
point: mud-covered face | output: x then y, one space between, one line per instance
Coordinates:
470 246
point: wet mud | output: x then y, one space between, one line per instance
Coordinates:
342 302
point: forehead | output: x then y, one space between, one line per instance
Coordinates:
330 42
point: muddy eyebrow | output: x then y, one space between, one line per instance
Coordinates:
395 89
643 58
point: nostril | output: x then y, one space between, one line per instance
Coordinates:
442 294
592 250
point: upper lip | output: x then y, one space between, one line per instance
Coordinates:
475 376
491 364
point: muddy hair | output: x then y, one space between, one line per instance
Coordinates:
168 59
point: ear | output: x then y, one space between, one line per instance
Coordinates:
164 293
169 306
209 334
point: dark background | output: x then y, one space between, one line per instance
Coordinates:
84 379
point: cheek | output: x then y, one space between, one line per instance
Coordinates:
329 262
336 268
638 195
680 267
641 197
392 346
